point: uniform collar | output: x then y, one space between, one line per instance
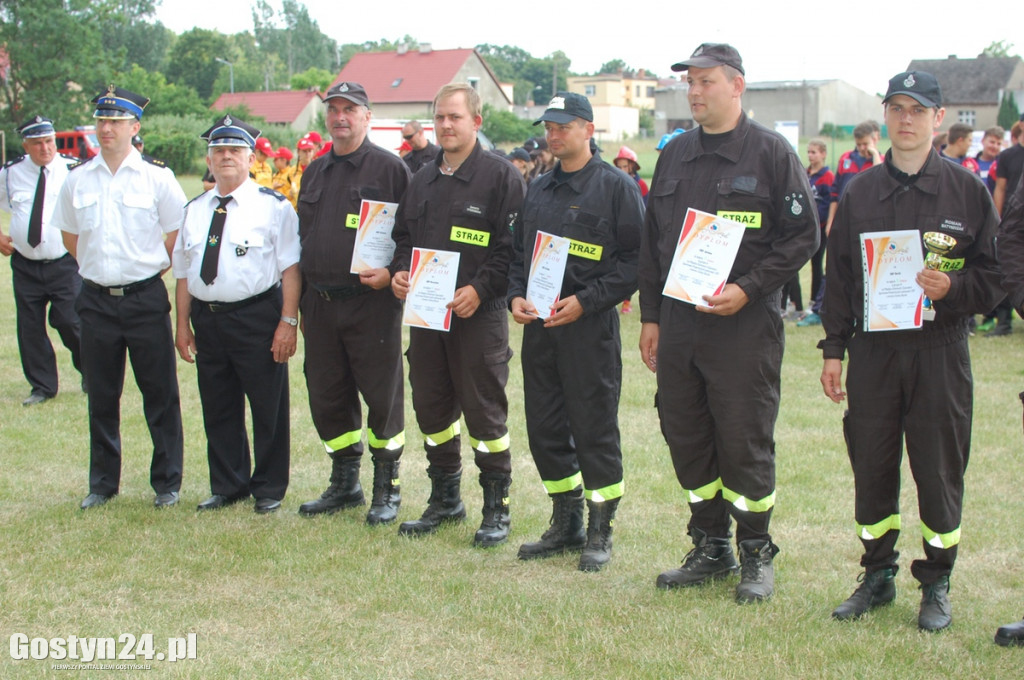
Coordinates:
730 150
352 158
927 177
244 193
577 180
464 171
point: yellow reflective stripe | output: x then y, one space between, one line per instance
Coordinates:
608 493
563 485
937 540
445 435
704 493
352 221
396 442
343 441
491 445
872 531
749 504
473 237
590 251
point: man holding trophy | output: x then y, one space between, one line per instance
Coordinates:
913 381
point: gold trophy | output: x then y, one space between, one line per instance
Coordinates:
938 245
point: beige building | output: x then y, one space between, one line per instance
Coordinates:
617 99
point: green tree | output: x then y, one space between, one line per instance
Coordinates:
130 39
313 78
997 48
503 127
294 37
613 66
165 98
1009 113
193 60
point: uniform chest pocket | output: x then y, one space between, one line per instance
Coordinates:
20 199
246 241
743 199
469 224
87 210
308 201
588 233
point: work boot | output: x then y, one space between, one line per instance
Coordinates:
344 490
494 527
444 504
1001 328
711 558
387 493
876 589
757 573
936 612
566 531
600 521
1010 635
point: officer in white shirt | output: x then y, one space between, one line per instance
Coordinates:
236 262
42 272
119 212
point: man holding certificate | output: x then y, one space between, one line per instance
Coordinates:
351 321
718 357
572 353
461 204
914 380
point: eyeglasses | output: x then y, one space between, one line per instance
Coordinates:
408 137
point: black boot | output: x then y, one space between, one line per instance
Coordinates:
444 504
494 527
711 558
876 589
566 531
387 493
343 492
936 612
600 521
757 573
1010 635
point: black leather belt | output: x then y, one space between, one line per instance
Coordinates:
121 291
229 306
339 293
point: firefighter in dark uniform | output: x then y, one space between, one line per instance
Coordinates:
119 212
237 303
42 272
909 383
352 324
465 201
572 355
718 365
1011 261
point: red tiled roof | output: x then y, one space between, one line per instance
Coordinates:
274 107
421 75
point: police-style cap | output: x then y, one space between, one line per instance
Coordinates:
117 102
566 107
36 127
229 131
353 92
709 55
918 85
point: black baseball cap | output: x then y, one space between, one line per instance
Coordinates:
709 55
918 85
354 92
566 107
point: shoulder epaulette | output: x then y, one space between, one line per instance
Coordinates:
14 161
194 198
154 161
67 157
276 194
79 164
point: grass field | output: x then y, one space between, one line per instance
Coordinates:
284 596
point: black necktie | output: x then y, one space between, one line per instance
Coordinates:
35 220
208 270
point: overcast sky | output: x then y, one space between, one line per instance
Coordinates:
792 41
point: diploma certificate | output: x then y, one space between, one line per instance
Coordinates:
547 268
374 247
704 256
431 287
892 298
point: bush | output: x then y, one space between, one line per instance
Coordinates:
175 140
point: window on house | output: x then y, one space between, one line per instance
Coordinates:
474 83
967 117
650 91
590 90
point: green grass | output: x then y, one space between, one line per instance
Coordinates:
284 596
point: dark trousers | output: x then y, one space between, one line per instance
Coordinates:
818 273
37 284
463 372
915 387
140 324
354 347
718 398
234 363
572 377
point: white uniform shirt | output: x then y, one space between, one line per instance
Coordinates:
260 241
17 194
121 219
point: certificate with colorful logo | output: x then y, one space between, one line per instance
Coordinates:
704 256
432 277
893 300
547 269
374 247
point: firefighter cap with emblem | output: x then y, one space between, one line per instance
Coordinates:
918 85
229 131
565 107
354 92
36 127
117 103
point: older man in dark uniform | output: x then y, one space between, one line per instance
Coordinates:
120 213
719 363
423 151
42 272
237 265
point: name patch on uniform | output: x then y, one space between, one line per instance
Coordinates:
952 225
751 220
473 237
582 249
352 221
951 264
